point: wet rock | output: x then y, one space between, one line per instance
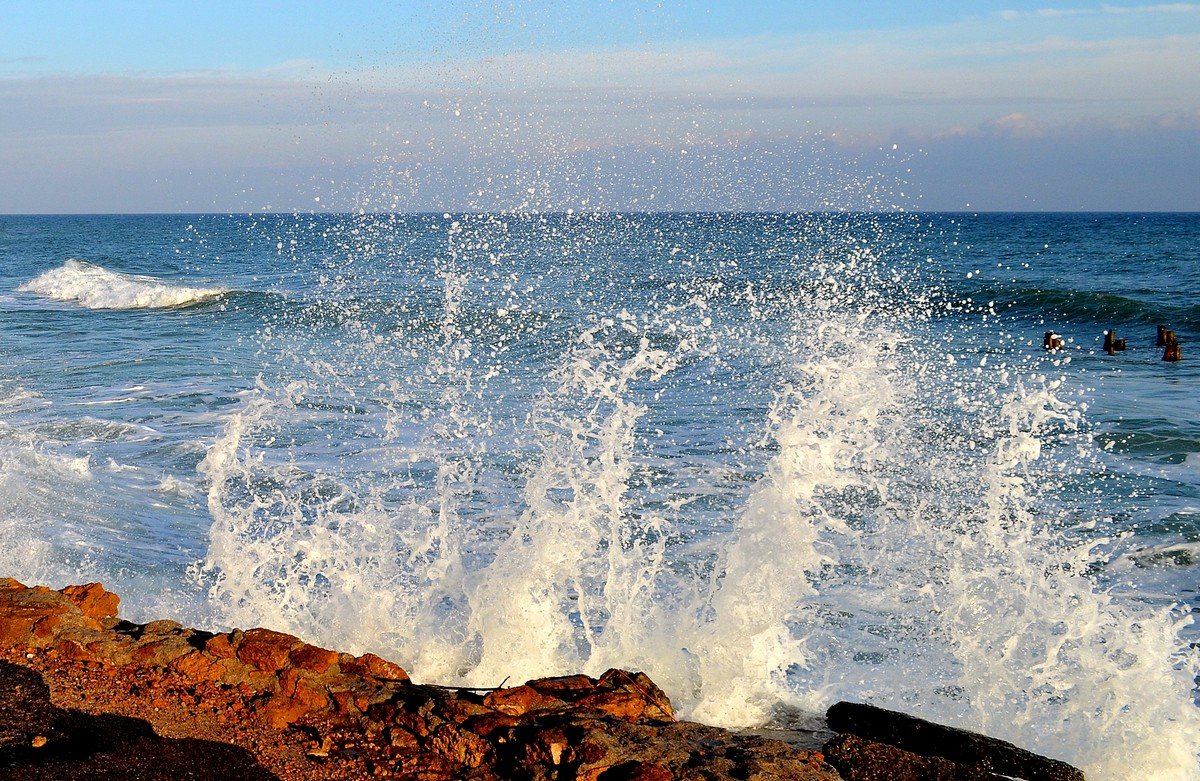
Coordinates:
314 659
859 759
363 711
224 646
520 700
375 667
265 649
93 601
963 748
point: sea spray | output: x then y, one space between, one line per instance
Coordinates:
573 587
903 525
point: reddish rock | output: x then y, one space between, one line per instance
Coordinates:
375 667
266 649
520 700
223 646
300 687
314 659
70 649
487 723
279 710
93 600
197 666
160 653
622 704
565 687
637 771
30 617
657 704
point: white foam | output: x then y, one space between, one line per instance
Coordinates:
96 287
904 545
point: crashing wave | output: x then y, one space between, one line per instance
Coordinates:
96 287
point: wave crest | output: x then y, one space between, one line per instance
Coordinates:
96 287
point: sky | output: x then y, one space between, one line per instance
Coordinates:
479 105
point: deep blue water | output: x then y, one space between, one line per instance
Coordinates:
351 425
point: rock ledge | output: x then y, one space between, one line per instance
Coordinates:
167 701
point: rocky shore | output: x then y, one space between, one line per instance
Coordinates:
87 695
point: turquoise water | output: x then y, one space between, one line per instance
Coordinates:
774 460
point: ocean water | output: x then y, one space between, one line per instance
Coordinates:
775 460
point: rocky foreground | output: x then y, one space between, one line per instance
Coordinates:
86 695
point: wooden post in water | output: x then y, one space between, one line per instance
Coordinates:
1172 353
1052 341
1110 339
1162 336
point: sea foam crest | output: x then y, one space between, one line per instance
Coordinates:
96 287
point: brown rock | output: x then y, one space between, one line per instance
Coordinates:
962 747
375 667
463 748
93 600
858 759
520 700
299 686
565 687
657 704
487 723
197 666
312 658
224 646
622 704
457 710
637 771
266 649
279 710
164 626
160 653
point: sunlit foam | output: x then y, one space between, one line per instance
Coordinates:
96 287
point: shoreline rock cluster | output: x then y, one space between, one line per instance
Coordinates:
274 707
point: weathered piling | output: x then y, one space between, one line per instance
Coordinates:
1052 341
1162 336
1112 344
1172 351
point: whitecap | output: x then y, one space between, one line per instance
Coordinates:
96 287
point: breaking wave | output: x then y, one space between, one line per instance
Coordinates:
95 287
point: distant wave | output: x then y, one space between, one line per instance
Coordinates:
96 287
1089 306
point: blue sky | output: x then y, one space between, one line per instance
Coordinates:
140 106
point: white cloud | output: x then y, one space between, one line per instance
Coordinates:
1021 78
1161 8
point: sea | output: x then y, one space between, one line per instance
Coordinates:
774 460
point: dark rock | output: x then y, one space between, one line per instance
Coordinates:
959 746
41 742
859 759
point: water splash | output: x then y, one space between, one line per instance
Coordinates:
903 526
